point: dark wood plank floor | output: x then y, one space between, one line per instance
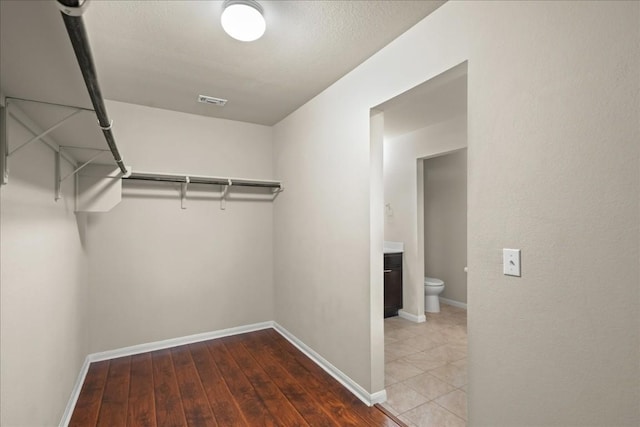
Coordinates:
253 379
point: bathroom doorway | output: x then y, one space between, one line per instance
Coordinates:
425 353
444 204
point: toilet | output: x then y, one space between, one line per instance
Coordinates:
432 288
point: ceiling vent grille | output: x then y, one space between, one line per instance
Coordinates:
211 100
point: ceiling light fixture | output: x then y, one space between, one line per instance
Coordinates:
243 20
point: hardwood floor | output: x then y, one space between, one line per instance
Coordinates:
252 379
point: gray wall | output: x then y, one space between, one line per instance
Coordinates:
445 222
158 271
145 271
553 170
43 288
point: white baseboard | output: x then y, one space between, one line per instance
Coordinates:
341 377
75 392
378 397
144 348
174 342
453 303
366 397
412 317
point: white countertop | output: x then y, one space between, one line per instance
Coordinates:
393 247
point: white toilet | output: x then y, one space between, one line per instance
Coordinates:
432 288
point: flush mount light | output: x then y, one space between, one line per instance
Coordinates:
243 20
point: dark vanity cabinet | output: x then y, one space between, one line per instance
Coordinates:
392 284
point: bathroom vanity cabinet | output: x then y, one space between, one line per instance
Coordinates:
392 284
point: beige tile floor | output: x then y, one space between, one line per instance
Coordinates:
426 368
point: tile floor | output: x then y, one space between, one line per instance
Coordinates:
426 368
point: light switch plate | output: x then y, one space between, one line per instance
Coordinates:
511 262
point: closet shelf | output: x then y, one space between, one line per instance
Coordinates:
185 180
201 179
98 188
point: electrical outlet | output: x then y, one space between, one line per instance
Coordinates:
511 262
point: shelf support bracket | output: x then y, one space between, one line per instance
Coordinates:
183 192
58 181
223 197
44 133
4 143
59 178
277 191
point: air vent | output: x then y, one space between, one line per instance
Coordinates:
211 100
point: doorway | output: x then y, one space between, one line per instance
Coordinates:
425 353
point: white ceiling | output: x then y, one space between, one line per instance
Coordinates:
437 100
165 53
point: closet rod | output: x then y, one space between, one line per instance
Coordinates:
235 182
71 11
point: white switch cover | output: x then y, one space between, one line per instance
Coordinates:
511 262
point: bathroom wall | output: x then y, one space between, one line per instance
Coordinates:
403 190
445 222
158 271
376 225
553 170
43 288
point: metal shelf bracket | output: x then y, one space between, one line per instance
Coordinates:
46 132
4 144
223 196
59 178
73 10
38 135
183 192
